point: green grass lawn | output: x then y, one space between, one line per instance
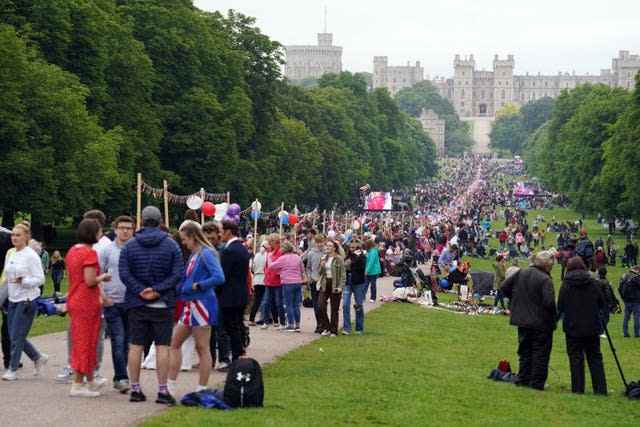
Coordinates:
417 366
594 230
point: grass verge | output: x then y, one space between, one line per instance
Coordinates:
416 366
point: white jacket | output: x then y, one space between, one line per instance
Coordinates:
26 264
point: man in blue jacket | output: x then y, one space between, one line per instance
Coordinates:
151 267
233 296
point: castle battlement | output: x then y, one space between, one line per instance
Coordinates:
509 62
468 61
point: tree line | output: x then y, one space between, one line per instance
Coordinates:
588 149
94 91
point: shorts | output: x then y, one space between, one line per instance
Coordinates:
147 324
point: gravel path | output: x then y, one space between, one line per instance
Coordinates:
34 401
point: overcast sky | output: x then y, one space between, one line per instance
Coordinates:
544 35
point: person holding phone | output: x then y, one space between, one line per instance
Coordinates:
84 304
23 275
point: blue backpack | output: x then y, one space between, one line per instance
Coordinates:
585 249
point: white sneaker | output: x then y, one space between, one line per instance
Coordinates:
122 386
603 336
372 301
9 375
99 381
325 333
345 332
332 335
96 385
222 366
40 364
264 326
65 376
81 390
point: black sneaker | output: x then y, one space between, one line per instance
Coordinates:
137 396
165 399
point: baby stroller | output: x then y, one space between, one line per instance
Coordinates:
426 287
407 279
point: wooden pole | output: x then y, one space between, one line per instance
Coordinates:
280 219
333 217
228 197
315 217
324 222
201 210
295 229
255 225
139 202
165 187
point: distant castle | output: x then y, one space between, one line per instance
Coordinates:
311 62
476 93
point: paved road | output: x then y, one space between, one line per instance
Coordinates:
41 402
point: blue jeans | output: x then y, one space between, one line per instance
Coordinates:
359 293
630 308
293 299
118 330
20 318
370 282
272 296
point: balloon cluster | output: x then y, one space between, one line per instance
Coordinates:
233 213
287 218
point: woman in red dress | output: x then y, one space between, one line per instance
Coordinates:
85 307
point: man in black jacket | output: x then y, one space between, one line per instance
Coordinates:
580 304
233 296
533 311
630 292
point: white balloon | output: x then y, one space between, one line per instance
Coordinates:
194 202
221 211
356 224
256 206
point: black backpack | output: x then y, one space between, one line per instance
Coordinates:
244 387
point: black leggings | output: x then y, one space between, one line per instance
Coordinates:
258 293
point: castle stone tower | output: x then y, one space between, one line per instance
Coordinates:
380 66
503 81
463 85
325 39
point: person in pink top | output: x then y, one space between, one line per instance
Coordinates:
272 307
289 267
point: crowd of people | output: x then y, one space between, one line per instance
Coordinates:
163 296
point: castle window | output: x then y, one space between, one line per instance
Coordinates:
534 83
502 95
462 104
522 97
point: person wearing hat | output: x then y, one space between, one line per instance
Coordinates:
533 310
150 267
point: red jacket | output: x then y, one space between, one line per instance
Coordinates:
271 278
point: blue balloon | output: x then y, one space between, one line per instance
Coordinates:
444 283
284 220
254 215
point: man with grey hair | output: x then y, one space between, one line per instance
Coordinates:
150 267
533 311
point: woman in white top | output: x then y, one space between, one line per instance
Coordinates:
257 268
23 275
